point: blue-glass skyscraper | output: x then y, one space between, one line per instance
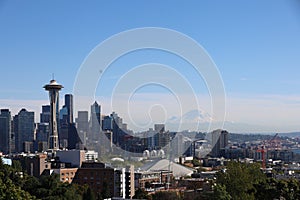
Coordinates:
5 131
24 130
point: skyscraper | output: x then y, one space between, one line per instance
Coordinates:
69 106
117 128
159 127
107 123
46 114
42 131
68 134
42 136
53 87
24 130
5 131
219 141
95 122
82 125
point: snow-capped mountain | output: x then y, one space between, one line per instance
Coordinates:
193 116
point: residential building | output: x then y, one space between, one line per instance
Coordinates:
100 178
66 175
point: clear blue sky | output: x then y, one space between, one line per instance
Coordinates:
255 44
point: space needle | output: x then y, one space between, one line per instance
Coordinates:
53 87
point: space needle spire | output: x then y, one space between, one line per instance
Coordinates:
53 87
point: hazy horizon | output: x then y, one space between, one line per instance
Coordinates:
254 45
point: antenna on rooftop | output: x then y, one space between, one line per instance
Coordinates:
52 76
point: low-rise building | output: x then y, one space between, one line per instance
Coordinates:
98 177
66 175
75 157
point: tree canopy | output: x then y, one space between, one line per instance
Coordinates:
15 185
247 181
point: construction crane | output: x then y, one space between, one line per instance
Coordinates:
262 150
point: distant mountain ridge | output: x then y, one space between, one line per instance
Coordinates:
199 120
193 116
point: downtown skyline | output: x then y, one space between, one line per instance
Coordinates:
255 46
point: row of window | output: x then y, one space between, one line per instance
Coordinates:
67 174
67 179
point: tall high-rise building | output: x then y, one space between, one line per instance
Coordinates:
5 131
82 125
42 136
42 131
68 134
53 87
95 122
219 141
117 128
45 116
24 130
107 123
159 127
63 115
162 138
69 106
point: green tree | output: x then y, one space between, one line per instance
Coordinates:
30 184
266 189
51 188
105 193
16 165
239 179
89 194
8 190
220 193
288 189
12 186
141 194
196 162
